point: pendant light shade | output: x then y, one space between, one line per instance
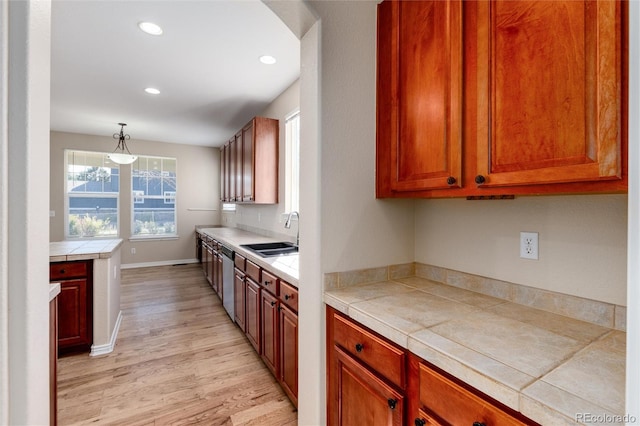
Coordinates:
119 155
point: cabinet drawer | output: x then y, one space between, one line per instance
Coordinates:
289 295
66 270
457 405
269 282
253 271
386 359
239 261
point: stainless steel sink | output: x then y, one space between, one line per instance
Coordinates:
280 248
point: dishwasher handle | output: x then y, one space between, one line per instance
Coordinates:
227 251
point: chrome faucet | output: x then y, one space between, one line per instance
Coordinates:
287 225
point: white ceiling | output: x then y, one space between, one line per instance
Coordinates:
205 65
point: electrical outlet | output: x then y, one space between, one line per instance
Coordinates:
529 245
133 250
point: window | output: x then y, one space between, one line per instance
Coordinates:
292 165
92 190
153 187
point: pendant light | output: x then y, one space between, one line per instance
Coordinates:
118 155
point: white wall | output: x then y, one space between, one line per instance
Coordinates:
25 39
582 241
198 188
633 264
358 231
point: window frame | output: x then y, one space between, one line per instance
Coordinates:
105 195
136 196
292 169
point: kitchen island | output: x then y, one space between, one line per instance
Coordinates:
104 256
551 368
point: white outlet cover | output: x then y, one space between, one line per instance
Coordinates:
529 245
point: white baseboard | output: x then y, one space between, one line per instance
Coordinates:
160 263
97 350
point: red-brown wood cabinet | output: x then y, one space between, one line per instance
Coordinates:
373 381
266 309
75 304
501 97
249 164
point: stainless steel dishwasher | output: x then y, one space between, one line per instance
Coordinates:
227 280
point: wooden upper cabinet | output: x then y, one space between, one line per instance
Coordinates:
232 170
549 91
247 162
419 102
250 169
265 138
501 98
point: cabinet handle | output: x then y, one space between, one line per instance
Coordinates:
359 347
273 303
279 308
62 271
267 282
478 424
419 422
287 297
451 180
392 403
480 179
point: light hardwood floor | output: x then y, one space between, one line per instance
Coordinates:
178 360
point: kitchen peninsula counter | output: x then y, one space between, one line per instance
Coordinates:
106 258
83 249
551 368
284 266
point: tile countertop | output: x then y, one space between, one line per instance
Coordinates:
60 251
286 267
553 369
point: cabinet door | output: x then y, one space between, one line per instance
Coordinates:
549 91
239 296
248 162
419 98
238 170
218 272
252 325
269 331
75 314
358 397
209 267
289 352
223 174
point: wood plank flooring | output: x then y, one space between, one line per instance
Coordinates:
178 360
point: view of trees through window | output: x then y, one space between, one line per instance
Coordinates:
92 188
153 189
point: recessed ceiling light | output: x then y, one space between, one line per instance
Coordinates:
150 28
266 59
152 91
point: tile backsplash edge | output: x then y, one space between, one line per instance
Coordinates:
593 311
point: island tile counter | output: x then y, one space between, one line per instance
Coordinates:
106 257
553 369
83 249
284 266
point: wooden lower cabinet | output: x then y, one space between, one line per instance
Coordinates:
364 385
269 331
288 322
239 298
75 304
360 389
252 318
358 396
438 398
